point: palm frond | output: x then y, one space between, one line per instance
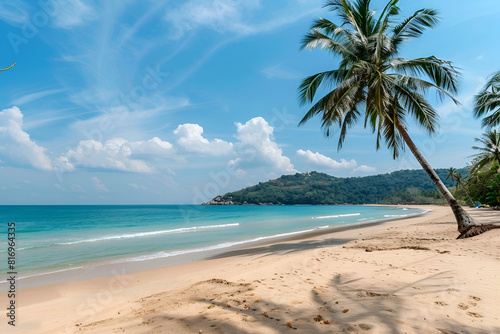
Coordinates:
329 28
422 86
334 104
351 117
390 9
309 86
489 152
421 110
340 8
488 100
441 72
315 39
415 25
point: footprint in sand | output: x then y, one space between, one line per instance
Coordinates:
475 315
365 327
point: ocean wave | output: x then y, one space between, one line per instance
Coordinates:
48 272
337 216
160 255
145 234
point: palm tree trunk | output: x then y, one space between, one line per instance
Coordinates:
464 220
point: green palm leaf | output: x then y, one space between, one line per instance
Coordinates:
488 101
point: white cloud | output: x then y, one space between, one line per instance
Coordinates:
154 146
280 73
321 160
135 186
115 154
257 148
98 185
218 15
192 140
16 145
364 169
69 14
324 161
63 164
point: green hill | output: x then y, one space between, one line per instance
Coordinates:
400 187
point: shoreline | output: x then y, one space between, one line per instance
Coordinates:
106 268
409 275
103 268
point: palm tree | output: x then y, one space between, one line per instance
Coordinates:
451 173
455 175
371 74
488 100
489 152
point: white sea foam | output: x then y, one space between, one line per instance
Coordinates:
337 216
145 234
407 215
160 255
49 272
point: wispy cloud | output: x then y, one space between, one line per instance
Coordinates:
279 72
31 97
234 16
136 186
70 14
220 15
13 12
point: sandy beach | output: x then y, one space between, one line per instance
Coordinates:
405 276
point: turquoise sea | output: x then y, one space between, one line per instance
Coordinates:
53 238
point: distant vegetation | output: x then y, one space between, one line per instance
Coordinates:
401 187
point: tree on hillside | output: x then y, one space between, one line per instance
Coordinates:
489 152
488 100
371 74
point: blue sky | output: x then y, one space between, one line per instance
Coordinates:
167 102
